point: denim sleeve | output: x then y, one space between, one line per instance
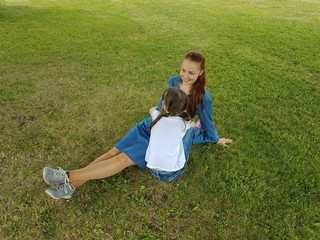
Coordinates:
210 133
160 105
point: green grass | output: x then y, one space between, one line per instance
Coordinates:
76 76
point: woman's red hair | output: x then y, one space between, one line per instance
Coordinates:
197 91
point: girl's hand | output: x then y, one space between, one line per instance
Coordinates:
223 142
152 110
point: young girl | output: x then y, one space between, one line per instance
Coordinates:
165 155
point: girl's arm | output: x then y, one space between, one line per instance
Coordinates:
152 110
193 125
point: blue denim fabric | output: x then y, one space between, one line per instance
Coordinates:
187 141
165 175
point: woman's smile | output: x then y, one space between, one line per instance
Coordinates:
190 72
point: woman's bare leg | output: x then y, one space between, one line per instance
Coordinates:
110 154
100 169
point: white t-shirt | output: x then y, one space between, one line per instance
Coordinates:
165 151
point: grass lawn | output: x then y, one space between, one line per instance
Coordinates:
76 76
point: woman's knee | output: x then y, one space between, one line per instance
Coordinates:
126 161
114 151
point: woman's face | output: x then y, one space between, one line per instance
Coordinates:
190 71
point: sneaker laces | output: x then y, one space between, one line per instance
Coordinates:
62 187
60 172
63 173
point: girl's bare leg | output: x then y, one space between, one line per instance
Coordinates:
100 169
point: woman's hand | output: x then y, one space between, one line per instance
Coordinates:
223 142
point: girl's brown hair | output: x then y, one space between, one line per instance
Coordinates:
176 102
197 91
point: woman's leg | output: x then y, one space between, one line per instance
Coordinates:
110 154
187 142
103 168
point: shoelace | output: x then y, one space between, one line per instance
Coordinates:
66 180
61 172
62 187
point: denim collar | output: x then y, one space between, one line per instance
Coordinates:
177 84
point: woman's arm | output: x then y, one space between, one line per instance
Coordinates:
210 133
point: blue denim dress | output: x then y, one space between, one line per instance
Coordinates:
135 143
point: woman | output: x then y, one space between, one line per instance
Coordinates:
131 150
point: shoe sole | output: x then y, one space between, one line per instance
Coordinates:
43 173
49 193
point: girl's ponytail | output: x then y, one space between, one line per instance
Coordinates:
162 114
185 116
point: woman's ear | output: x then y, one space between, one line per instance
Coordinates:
201 72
